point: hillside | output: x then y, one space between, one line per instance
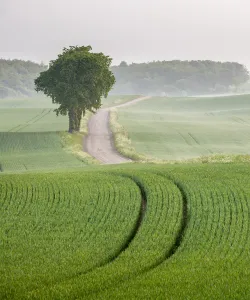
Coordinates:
32 137
179 78
127 232
130 231
185 128
17 77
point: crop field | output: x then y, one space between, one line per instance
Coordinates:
30 138
31 120
183 128
132 231
29 135
37 115
30 102
34 151
126 232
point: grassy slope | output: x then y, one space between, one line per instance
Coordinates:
31 120
30 115
183 128
37 115
53 223
30 139
29 136
45 102
34 151
212 259
209 258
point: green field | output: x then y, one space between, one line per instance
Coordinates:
126 232
34 151
132 231
183 128
45 102
30 135
37 115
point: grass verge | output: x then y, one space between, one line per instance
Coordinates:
73 143
121 139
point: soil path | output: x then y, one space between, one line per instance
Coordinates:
99 141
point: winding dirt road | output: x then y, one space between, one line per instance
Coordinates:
99 141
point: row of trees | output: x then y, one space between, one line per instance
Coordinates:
178 78
173 78
78 79
17 77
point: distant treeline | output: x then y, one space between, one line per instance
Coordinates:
171 78
17 77
176 78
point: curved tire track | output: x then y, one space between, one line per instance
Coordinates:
169 252
126 244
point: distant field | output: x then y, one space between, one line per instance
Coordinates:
135 231
29 135
182 128
115 100
45 102
31 120
37 115
35 102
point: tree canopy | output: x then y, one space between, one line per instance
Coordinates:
77 80
179 78
17 77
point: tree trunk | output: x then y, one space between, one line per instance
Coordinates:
79 118
75 116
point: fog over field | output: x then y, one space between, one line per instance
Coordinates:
132 30
124 149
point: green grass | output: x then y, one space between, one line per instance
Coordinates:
212 260
32 137
45 102
37 114
28 102
186 128
133 231
60 227
31 120
83 235
152 243
34 151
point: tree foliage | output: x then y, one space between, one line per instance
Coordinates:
179 77
17 77
77 80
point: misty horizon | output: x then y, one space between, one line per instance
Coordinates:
131 31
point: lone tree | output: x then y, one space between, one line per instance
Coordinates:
77 80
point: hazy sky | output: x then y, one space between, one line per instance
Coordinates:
131 30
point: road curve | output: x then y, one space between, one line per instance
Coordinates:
99 141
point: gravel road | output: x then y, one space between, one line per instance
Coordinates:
99 141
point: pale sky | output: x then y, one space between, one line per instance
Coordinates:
130 30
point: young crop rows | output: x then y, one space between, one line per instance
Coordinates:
133 232
22 151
